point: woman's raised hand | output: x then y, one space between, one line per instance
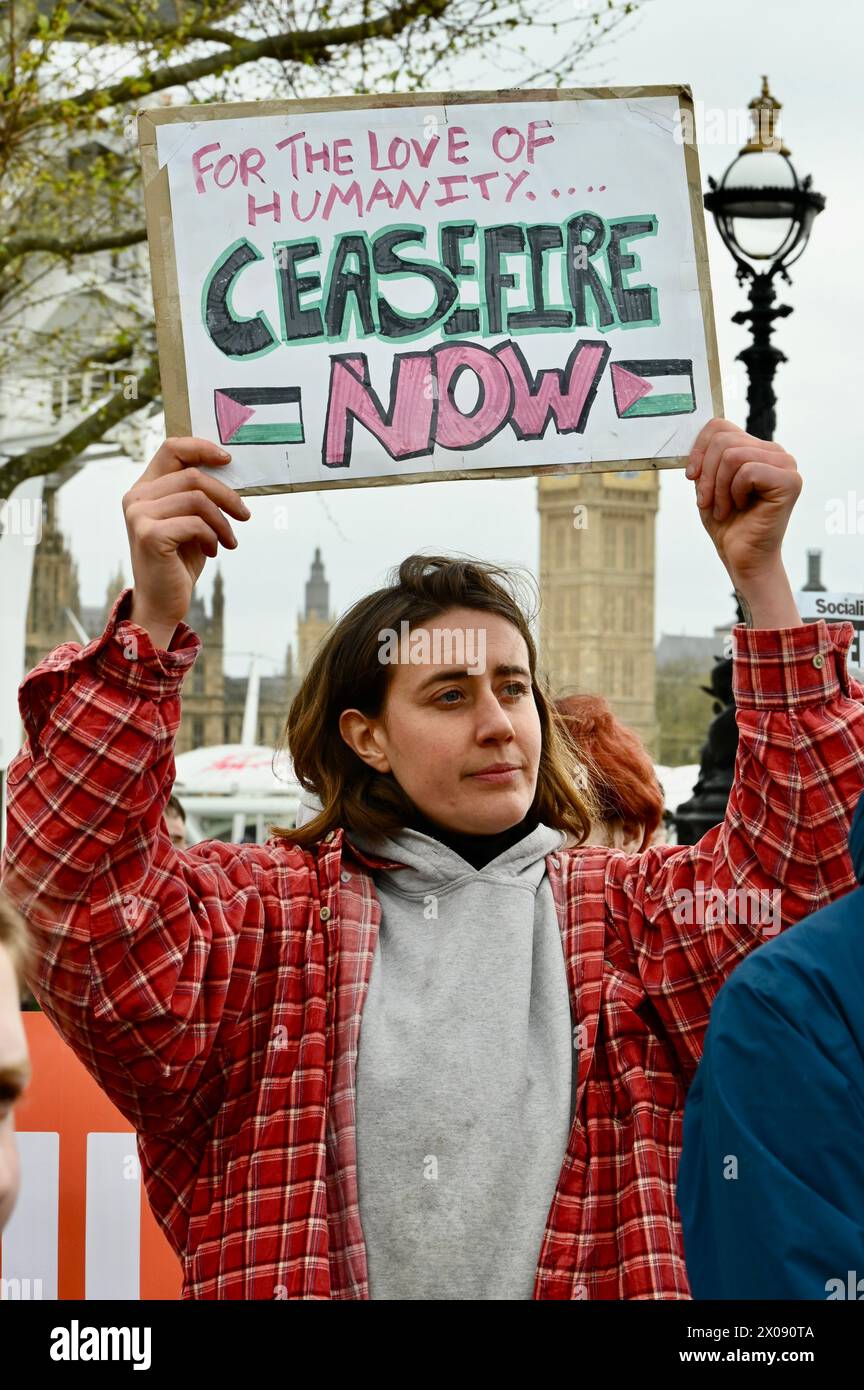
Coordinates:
175 518
746 488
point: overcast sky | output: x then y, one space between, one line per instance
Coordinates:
812 56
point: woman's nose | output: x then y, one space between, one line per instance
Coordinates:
492 718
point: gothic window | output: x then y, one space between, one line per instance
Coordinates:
560 543
627 681
610 547
607 674
198 678
629 538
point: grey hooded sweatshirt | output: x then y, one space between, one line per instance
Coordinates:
464 1071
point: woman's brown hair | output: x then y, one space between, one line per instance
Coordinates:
622 774
347 673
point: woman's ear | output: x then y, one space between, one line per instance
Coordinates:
363 736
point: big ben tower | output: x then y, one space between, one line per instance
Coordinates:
597 590
316 619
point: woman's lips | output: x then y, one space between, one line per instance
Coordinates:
495 777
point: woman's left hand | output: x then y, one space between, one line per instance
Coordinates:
745 490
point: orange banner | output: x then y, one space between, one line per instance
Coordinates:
65 1234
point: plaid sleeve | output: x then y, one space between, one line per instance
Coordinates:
687 916
143 952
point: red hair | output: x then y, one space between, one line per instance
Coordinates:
617 763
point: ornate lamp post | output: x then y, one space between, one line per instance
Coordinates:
764 214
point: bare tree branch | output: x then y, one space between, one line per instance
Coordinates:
126 32
46 458
295 46
61 246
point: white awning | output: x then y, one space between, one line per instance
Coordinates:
232 769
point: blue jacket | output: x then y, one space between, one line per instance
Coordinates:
771 1179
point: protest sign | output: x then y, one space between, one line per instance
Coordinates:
836 608
364 291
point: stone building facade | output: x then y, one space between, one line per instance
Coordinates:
597 562
213 702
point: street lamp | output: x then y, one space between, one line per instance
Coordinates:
764 213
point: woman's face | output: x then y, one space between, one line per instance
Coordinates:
442 726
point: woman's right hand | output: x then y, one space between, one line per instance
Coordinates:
175 519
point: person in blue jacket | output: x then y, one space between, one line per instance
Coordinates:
771 1178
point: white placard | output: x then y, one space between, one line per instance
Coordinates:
432 290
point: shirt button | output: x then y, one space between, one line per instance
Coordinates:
556 861
346 878
330 835
818 661
324 914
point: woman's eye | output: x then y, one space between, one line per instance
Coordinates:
514 691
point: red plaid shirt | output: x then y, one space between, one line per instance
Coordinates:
216 993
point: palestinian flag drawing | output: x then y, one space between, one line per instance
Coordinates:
259 414
635 382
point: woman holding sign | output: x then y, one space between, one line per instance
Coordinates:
426 1046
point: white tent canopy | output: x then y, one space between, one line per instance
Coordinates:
230 769
223 787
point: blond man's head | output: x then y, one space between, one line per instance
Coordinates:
14 937
14 1061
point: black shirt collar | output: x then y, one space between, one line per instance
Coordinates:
477 850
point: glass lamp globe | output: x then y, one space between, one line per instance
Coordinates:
761 225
